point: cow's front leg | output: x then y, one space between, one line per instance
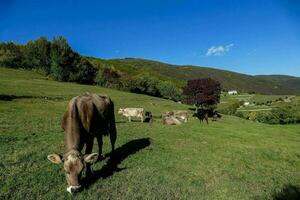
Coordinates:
129 119
88 150
142 119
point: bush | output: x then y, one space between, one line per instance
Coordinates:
169 91
109 77
278 116
231 109
83 71
145 85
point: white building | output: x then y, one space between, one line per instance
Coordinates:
247 103
232 92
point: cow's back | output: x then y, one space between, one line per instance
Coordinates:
134 111
89 111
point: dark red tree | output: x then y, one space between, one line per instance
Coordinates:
203 93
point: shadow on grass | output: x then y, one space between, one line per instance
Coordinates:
116 158
288 192
5 97
121 122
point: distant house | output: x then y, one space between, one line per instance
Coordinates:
247 103
232 92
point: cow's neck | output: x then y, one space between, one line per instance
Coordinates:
72 141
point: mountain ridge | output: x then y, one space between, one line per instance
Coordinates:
179 74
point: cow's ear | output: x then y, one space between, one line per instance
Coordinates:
55 158
91 158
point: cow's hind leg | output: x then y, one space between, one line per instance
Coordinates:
100 144
113 137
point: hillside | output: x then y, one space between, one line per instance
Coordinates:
290 82
228 159
180 74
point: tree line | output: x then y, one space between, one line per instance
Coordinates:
56 58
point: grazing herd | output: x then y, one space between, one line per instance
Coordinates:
92 116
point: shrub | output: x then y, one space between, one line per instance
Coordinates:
83 71
169 91
231 109
109 77
145 85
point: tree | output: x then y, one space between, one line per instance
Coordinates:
37 55
145 85
203 93
169 91
62 58
83 71
11 55
108 77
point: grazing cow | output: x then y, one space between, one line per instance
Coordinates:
201 115
132 112
170 120
87 116
178 114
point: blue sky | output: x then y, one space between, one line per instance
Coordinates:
253 37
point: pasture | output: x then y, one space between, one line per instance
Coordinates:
228 159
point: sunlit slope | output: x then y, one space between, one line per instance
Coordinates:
228 159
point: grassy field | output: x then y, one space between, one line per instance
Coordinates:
228 159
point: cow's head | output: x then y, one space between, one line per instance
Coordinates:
121 111
74 163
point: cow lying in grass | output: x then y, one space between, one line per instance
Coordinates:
170 120
87 116
132 112
181 115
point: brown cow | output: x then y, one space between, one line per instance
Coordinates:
87 116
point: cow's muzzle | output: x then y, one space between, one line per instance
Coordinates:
72 189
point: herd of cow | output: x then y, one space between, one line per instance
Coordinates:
170 118
175 117
92 116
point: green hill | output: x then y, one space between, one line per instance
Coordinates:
228 159
180 74
290 82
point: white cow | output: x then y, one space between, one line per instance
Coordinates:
181 115
132 112
170 120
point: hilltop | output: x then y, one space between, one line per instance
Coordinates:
179 74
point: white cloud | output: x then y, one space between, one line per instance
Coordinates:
218 50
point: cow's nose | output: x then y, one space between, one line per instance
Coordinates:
72 189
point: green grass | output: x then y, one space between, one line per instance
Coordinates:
228 159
